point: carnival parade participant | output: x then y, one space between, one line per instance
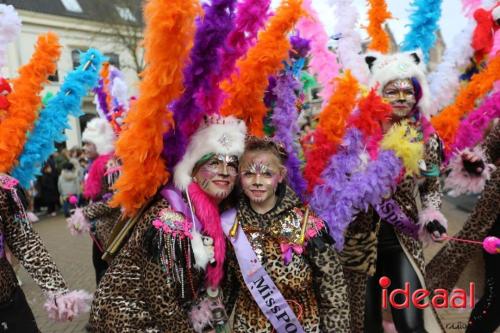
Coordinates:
473 171
97 217
277 239
387 250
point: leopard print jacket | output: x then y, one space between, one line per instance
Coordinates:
313 283
445 268
25 244
360 251
135 294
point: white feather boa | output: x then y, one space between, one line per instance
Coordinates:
10 27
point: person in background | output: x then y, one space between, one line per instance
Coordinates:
68 185
48 189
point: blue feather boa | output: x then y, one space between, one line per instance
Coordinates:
53 118
423 26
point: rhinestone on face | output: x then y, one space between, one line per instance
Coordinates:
224 141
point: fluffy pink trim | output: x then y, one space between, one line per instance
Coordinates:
78 223
201 316
427 215
32 217
207 212
459 181
93 184
67 306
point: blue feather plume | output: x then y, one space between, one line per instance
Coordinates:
424 24
53 119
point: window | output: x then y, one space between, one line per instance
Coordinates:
113 59
75 56
72 6
125 13
55 77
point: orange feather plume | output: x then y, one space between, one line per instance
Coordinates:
105 81
168 39
25 99
331 127
448 121
377 15
245 89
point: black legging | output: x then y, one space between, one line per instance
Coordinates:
100 266
485 317
392 262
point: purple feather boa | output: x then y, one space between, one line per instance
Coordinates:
284 120
300 47
344 193
101 99
212 30
471 130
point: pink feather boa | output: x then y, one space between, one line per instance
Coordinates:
67 306
427 215
92 188
459 181
207 211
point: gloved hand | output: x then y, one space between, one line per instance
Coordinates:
436 230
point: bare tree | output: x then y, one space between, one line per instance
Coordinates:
122 24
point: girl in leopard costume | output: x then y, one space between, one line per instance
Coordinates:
26 245
374 248
444 270
291 243
98 217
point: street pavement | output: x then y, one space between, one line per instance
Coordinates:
73 257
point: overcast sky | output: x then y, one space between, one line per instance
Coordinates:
451 23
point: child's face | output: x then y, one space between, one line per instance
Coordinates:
260 174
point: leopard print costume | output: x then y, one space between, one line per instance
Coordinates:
26 245
360 251
445 268
135 295
313 283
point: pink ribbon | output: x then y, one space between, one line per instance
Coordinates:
287 250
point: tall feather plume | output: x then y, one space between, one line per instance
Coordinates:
331 128
323 62
246 88
10 27
168 38
377 15
25 99
212 29
53 118
424 22
447 122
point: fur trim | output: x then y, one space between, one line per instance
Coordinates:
427 215
101 134
32 217
225 136
207 212
67 306
385 68
92 189
459 181
201 316
201 256
78 223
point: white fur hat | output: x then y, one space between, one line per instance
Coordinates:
216 135
385 68
101 134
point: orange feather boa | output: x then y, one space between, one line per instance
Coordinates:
377 15
168 39
331 127
25 99
246 87
447 122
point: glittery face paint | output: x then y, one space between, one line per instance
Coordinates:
401 95
218 175
260 174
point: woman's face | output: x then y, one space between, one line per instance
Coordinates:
90 150
400 94
217 176
260 174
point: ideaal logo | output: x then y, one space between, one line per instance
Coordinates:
441 298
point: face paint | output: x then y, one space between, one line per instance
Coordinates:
218 175
260 174
401 95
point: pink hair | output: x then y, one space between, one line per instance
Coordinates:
92 189
207 211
